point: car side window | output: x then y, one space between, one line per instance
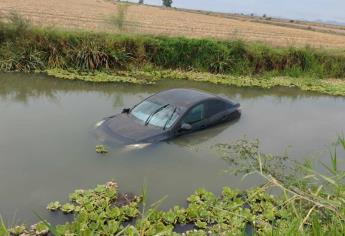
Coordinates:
214 107
195 114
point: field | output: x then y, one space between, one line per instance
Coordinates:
95 14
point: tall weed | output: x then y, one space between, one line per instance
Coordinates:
119 19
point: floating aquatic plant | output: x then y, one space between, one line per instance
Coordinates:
54 206
101 149
68 208
326 86
17 230
40 228
133 77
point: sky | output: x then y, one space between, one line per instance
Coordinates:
325 10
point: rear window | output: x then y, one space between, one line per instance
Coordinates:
216 106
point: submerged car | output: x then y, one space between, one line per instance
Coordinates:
166 115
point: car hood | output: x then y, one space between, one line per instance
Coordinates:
126 129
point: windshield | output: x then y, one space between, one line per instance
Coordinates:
164 118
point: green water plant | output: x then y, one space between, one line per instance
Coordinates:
40 228
68 208
54 206
103 212
101 149
133 77
17 230
326 86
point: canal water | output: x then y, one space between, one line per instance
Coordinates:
47 146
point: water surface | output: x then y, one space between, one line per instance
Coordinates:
47 148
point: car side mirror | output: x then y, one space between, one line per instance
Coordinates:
126 110
185 127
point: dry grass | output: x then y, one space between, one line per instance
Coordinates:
94 15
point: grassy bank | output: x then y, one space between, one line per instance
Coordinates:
307 203
24 48
142 59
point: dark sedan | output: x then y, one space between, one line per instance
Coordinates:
166 115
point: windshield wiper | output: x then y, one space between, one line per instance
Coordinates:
171 116
154 113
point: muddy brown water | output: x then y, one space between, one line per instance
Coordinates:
47 149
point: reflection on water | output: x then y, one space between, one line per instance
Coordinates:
47 150
35 86
195 139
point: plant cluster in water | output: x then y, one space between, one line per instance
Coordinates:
41 228
101 149
101 211
326 86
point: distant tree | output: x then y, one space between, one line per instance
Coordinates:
251 14
264 15
141 1
167 3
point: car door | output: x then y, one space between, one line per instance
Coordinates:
194 117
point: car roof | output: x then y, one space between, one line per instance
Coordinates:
181 97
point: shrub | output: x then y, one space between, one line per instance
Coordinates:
167 3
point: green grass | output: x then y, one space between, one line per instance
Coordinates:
27 48
3 228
